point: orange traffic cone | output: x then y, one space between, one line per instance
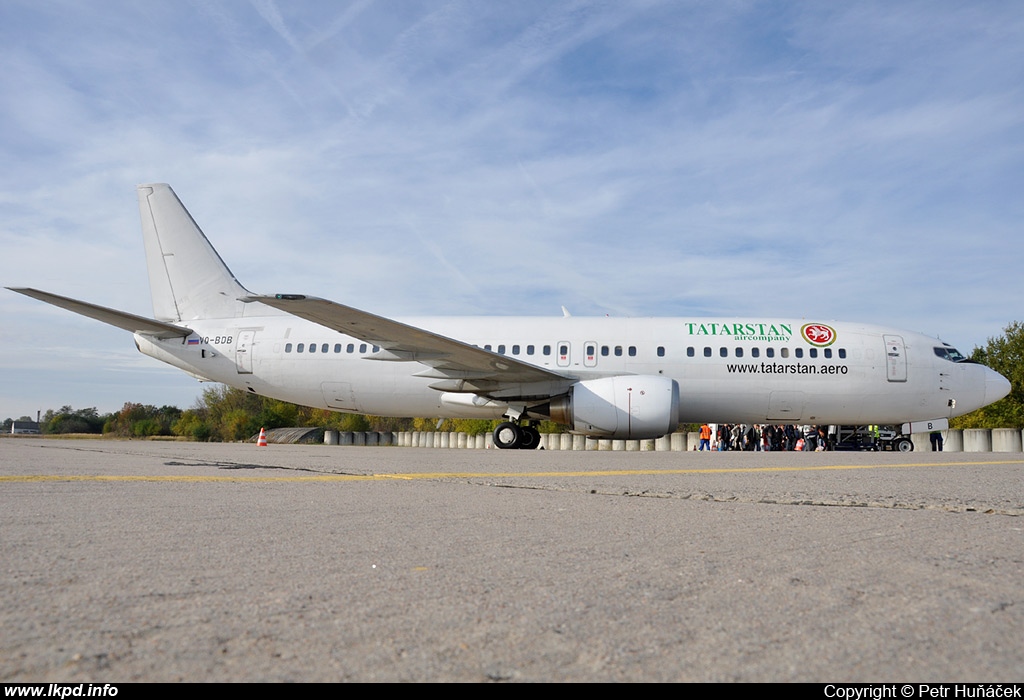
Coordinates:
262 441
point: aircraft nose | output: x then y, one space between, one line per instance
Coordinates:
996 386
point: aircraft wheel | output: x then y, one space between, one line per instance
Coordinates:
507 436
530 438
904 445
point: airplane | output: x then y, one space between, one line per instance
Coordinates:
632 378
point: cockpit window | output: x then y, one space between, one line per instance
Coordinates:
950 353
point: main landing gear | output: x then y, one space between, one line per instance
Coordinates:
512 436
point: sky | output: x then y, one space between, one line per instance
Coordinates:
856 161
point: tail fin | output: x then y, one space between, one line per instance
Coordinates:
187 278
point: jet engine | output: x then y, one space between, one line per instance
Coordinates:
630 407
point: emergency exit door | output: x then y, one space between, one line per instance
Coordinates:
243 352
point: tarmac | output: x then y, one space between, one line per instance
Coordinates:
169 561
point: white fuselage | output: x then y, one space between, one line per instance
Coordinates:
729 370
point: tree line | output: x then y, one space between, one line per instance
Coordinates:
226 414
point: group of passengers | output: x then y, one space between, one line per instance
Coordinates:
764 438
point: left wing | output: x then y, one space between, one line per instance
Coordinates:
461 367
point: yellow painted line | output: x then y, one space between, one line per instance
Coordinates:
477 475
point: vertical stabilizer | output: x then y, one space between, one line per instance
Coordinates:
187 278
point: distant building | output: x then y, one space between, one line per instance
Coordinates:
24 427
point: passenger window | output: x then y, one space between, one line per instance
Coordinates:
376 348
799 352
813 352
362 347
515 349
604 351
769 352
501 349
690 352
487 348
842 353
739 352
312 347
707 352
661 351
591 350
323 348
350 348
755 352
300 347
632 351
563 350
723 352
618 351
337 347
547 350
529 349
784 352
287 347
828 353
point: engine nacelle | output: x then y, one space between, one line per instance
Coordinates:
632 407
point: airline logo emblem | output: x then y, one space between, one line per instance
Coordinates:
818 334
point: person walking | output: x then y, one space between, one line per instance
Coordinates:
705 437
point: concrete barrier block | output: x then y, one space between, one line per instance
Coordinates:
680 442
330 437
1006 440
977 440
922 442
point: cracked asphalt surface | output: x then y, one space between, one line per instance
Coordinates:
156 561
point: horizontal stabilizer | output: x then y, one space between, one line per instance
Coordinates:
119 319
